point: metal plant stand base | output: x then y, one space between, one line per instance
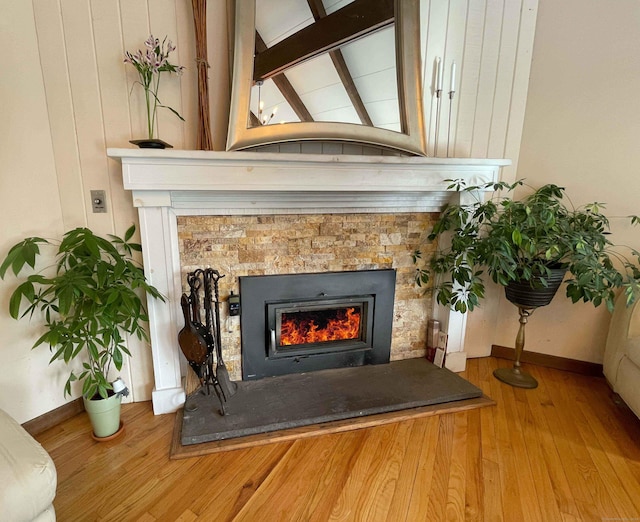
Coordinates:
515 376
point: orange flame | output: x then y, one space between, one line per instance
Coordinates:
303 328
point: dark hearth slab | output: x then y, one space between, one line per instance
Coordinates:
290 401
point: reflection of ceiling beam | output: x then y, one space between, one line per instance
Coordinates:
290 94
285 87
356 19
319 12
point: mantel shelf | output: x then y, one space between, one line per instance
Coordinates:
178 170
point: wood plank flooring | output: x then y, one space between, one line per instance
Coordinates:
565 451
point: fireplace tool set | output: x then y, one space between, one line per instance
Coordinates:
201 342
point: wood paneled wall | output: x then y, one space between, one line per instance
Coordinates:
93 102
491 42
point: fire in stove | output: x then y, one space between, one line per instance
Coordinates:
316 326
303 327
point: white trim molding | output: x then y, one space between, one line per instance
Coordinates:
166 184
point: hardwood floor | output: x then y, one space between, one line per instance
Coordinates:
562 452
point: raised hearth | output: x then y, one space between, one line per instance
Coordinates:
166 184
291 401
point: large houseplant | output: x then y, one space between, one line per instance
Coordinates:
521 241
87 304
527 246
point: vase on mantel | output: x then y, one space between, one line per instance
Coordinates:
150 64
151 143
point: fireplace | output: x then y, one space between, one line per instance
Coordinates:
172 183
294 323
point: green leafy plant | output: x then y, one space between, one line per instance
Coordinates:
87 305
520 241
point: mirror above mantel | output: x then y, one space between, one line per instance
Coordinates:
327 70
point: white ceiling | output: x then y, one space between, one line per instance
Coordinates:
370 61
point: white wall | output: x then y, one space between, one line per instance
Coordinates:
29 205
581 131
66 98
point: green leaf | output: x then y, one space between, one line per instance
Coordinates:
102 391
30 251
67 386
9 260
117 359
89 388
129 233
25 289
516 237
20 254
93 350
172 110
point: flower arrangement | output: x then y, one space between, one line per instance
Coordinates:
150 65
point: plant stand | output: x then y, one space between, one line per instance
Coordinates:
515 376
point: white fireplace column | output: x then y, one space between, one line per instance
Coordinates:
169 183
161 257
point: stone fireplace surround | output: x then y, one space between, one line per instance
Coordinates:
285 244
170 183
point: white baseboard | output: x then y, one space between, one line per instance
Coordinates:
167 400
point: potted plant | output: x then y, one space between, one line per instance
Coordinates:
88 302
527 246
150 64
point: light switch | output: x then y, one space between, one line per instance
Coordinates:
99 201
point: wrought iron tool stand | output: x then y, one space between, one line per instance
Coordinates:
209 368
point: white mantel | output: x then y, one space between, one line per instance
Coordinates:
169 183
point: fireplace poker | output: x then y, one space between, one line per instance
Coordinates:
211 280
194 282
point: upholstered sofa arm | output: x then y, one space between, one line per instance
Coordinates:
621 362
28 476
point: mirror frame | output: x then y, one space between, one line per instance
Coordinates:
408 65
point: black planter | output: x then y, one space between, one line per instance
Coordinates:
524 295
151 144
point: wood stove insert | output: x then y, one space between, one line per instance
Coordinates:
295 323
